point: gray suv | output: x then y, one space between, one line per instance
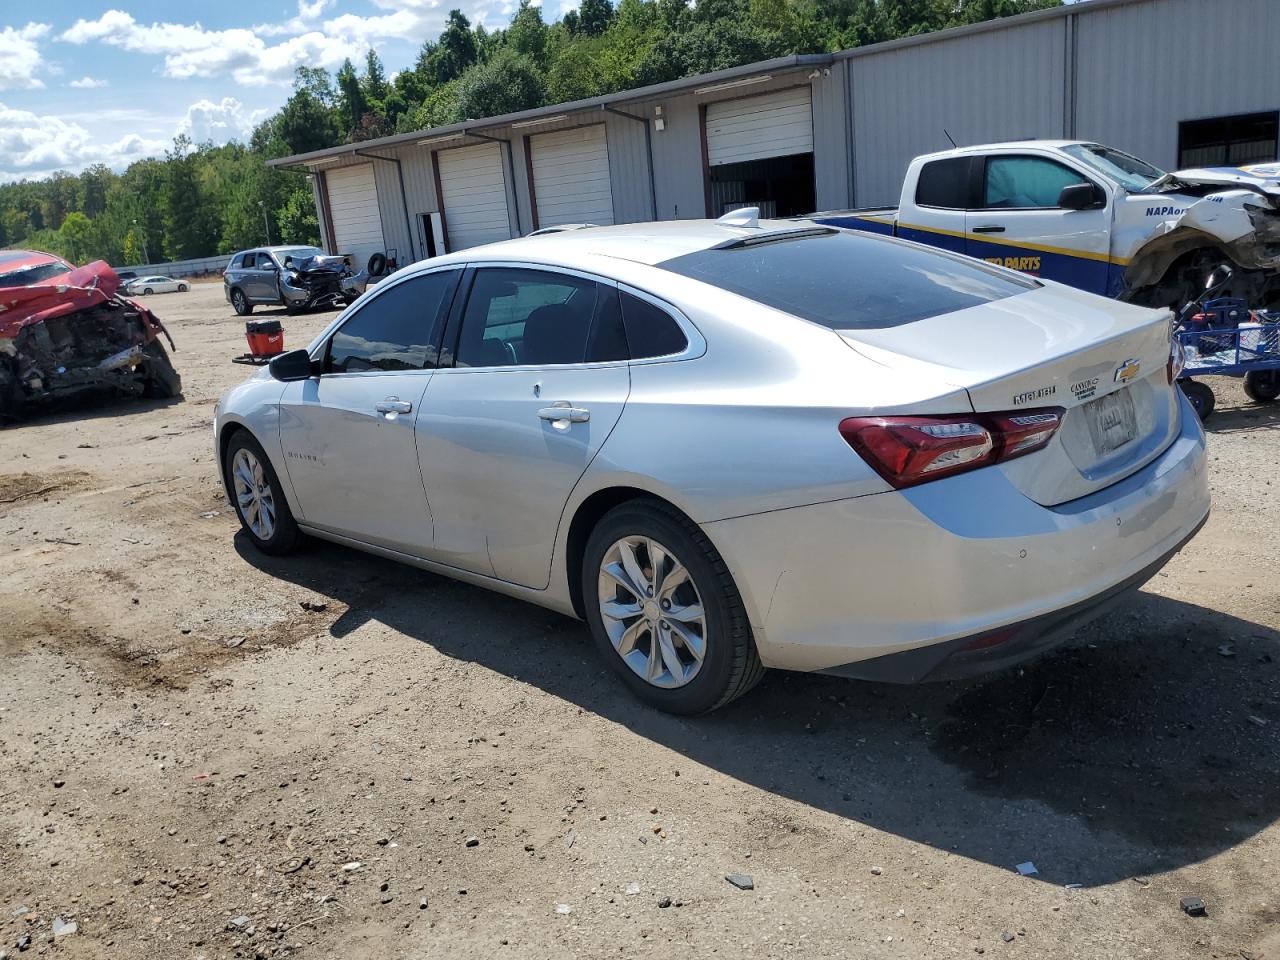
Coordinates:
297 278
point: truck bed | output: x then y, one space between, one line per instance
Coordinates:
870 220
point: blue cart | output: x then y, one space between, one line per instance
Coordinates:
1220 346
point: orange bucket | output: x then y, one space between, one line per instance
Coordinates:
266 337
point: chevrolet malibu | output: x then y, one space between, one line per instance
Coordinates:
734 445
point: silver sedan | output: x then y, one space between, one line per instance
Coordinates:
145 286
735 445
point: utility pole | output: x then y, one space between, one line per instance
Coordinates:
265 224
143 240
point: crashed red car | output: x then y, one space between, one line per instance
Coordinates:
65 331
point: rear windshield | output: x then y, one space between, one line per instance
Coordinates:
848 281
26 276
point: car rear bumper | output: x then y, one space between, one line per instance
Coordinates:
914 576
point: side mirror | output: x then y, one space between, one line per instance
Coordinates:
294 365
1082 196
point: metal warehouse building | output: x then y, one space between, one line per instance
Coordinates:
1176 82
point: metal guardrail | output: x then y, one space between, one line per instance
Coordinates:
180 268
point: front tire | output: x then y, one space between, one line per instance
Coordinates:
240 303
1262 386
182 288
1201 397
162 379
664 610
258 497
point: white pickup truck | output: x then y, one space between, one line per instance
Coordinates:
1093 217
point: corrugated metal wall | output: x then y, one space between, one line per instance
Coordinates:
1004 84
832 165
1142 68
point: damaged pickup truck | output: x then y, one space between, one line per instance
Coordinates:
1093 217
297 278
65 331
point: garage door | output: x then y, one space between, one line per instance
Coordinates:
571 176
353 203
752 128
475 195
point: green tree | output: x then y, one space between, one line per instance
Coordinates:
506 83
189 229
594 17
374 81
307 120
456 50
527 34
352 104
74 236
297 217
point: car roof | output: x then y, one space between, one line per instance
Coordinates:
645 243
17 259
1005 145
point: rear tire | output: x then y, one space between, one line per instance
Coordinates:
240 303
147 291
162 379
1201 397
258 497
729 665
1262 386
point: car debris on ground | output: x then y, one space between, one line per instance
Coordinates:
69 333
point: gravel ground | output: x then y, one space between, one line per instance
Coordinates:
192 765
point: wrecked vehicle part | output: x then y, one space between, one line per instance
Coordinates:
76 335
320 281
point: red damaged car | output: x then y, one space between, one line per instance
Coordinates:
64 331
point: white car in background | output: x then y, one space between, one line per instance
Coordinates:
735 445
145 286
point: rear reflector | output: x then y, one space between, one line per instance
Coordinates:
906 451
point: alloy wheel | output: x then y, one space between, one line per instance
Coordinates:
253 494
652 612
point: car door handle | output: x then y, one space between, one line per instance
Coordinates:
563 410
989 228
394 405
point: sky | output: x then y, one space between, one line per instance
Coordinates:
84 82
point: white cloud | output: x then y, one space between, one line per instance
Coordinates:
34 145
87 83
20 58
218 122
251 58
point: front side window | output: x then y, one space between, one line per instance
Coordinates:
516 317
1025 182
396 329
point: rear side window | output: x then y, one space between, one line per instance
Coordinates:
516 317
396 329
944 183
651 332
848 280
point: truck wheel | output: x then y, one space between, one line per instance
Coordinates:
240 303
1201 397
1262 386
162 379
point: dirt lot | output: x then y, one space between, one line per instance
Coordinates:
192 765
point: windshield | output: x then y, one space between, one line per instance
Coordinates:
299 253
1131 173
26 276
848 281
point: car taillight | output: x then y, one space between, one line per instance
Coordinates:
1177 358
911 450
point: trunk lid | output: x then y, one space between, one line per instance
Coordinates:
1101 361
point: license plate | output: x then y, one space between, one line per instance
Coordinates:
1113 421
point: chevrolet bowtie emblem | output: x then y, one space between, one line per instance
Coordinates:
1127 371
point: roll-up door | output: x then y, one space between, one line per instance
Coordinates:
571 176
353 204
475 195
778 124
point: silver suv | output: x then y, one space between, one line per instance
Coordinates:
297 278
